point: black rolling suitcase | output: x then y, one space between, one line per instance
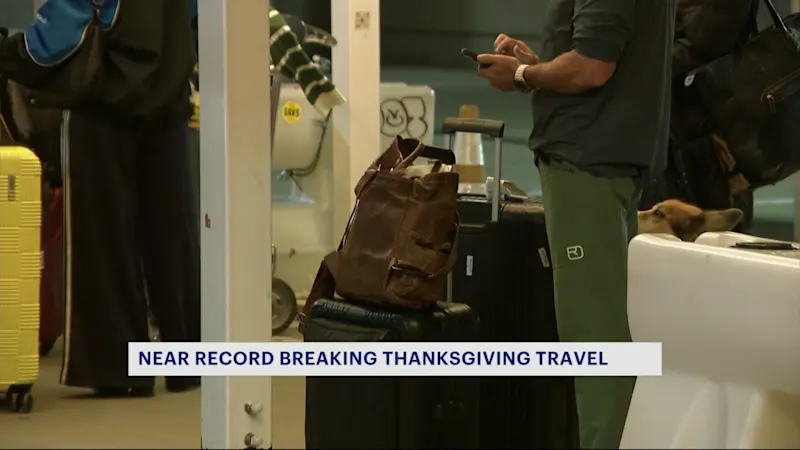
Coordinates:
503 272
390 413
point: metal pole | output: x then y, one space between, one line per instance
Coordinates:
236 212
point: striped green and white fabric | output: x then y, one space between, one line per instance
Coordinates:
291 60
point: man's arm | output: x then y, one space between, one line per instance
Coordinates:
602 29
710 30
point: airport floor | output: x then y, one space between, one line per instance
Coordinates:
70 418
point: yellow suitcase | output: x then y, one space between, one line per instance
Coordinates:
20 268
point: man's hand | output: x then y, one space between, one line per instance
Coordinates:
499 71
505 45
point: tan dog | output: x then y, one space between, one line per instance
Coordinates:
685 221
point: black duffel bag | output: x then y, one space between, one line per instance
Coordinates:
752 97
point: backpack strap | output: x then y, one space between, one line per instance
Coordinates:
751 29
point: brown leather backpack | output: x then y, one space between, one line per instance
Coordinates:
400 243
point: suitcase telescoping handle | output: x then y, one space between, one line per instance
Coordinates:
493 128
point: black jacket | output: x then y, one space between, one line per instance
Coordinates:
148 54
708 29
704 31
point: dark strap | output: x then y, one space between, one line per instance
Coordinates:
777 20
779 23
677 143
675 152
6 138
752 22
324 286
750 29
324 283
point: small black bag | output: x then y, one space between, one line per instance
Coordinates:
753 99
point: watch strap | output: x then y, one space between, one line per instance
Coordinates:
519 79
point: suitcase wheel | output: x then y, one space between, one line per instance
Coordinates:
19 402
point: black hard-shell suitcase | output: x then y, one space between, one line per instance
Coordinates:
390 412
503 272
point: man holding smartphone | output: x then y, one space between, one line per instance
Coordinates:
601 103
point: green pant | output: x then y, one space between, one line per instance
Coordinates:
590 221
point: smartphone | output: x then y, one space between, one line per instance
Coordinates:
467 53
761 245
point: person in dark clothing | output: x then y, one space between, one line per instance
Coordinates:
601 105
123 158
704 30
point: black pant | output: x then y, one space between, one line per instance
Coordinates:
127 244
192 185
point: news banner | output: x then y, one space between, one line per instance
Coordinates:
392 359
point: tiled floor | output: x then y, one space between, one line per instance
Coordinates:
67 418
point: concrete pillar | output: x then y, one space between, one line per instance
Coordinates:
356 72
236 209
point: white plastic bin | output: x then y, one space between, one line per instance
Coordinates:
729 321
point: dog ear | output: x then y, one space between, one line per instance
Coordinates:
722 220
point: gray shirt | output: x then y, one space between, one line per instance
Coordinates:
621 128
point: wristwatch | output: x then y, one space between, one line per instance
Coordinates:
519 79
